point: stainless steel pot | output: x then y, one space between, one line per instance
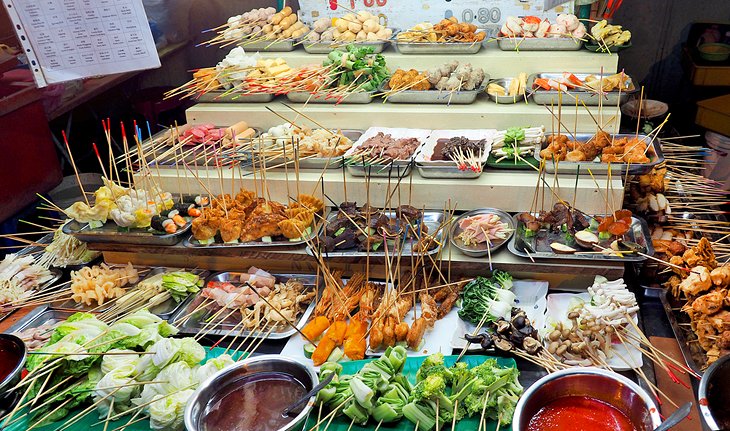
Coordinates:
602 385
196 410
714 384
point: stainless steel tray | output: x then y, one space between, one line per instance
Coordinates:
318 163
109 233
455 48
170 307
432 219
327 47
56 275
234 97
430 171
546 97
196 322
539 43
686 338
70 305
360 97
37 317
507 100
481 250
276 45
434 97
396 169
638 233
654 152
193 243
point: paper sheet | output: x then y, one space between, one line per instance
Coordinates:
72 39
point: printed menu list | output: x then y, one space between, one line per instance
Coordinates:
71 39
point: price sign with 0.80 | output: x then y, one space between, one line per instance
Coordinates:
483 15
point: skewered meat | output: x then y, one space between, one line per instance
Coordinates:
428 308
721 276
709 303
415 334
698 281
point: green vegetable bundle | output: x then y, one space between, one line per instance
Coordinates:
356 68
180 284
488 298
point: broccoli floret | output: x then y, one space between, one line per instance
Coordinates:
428 388
435 360
462 380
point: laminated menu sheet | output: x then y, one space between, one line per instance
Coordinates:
72 39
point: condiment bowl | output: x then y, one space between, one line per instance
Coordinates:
713 393
607 386
196 409
13 353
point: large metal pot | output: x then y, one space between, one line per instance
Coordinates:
9 396
195 410
713 393
602 385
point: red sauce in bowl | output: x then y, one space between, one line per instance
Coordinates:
9 357
580 414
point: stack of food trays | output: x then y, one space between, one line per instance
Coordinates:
377 165
431 163
596 166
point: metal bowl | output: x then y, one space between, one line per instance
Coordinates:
195 410
481 250
8 396
712 385
602 385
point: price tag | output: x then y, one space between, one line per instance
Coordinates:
403 14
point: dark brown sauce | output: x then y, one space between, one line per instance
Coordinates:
253 403
9 358
717 396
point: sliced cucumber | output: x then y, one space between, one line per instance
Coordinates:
266 239
206 241
235 241
309 350
336 355
339 231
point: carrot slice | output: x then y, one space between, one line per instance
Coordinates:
605 223
618 228
531 19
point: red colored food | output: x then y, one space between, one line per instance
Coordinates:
618 228
579 414
605 223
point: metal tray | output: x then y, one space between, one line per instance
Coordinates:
276 45
600 49
193 243
539 43
507 100
432 219
654 152
546 97
638 233
70 305
482 249
109 233
437 48
396 169
427 171
327 47
196 322
56 275
318 163
696 360
433 97
37 317
170 307
234 97
359 97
